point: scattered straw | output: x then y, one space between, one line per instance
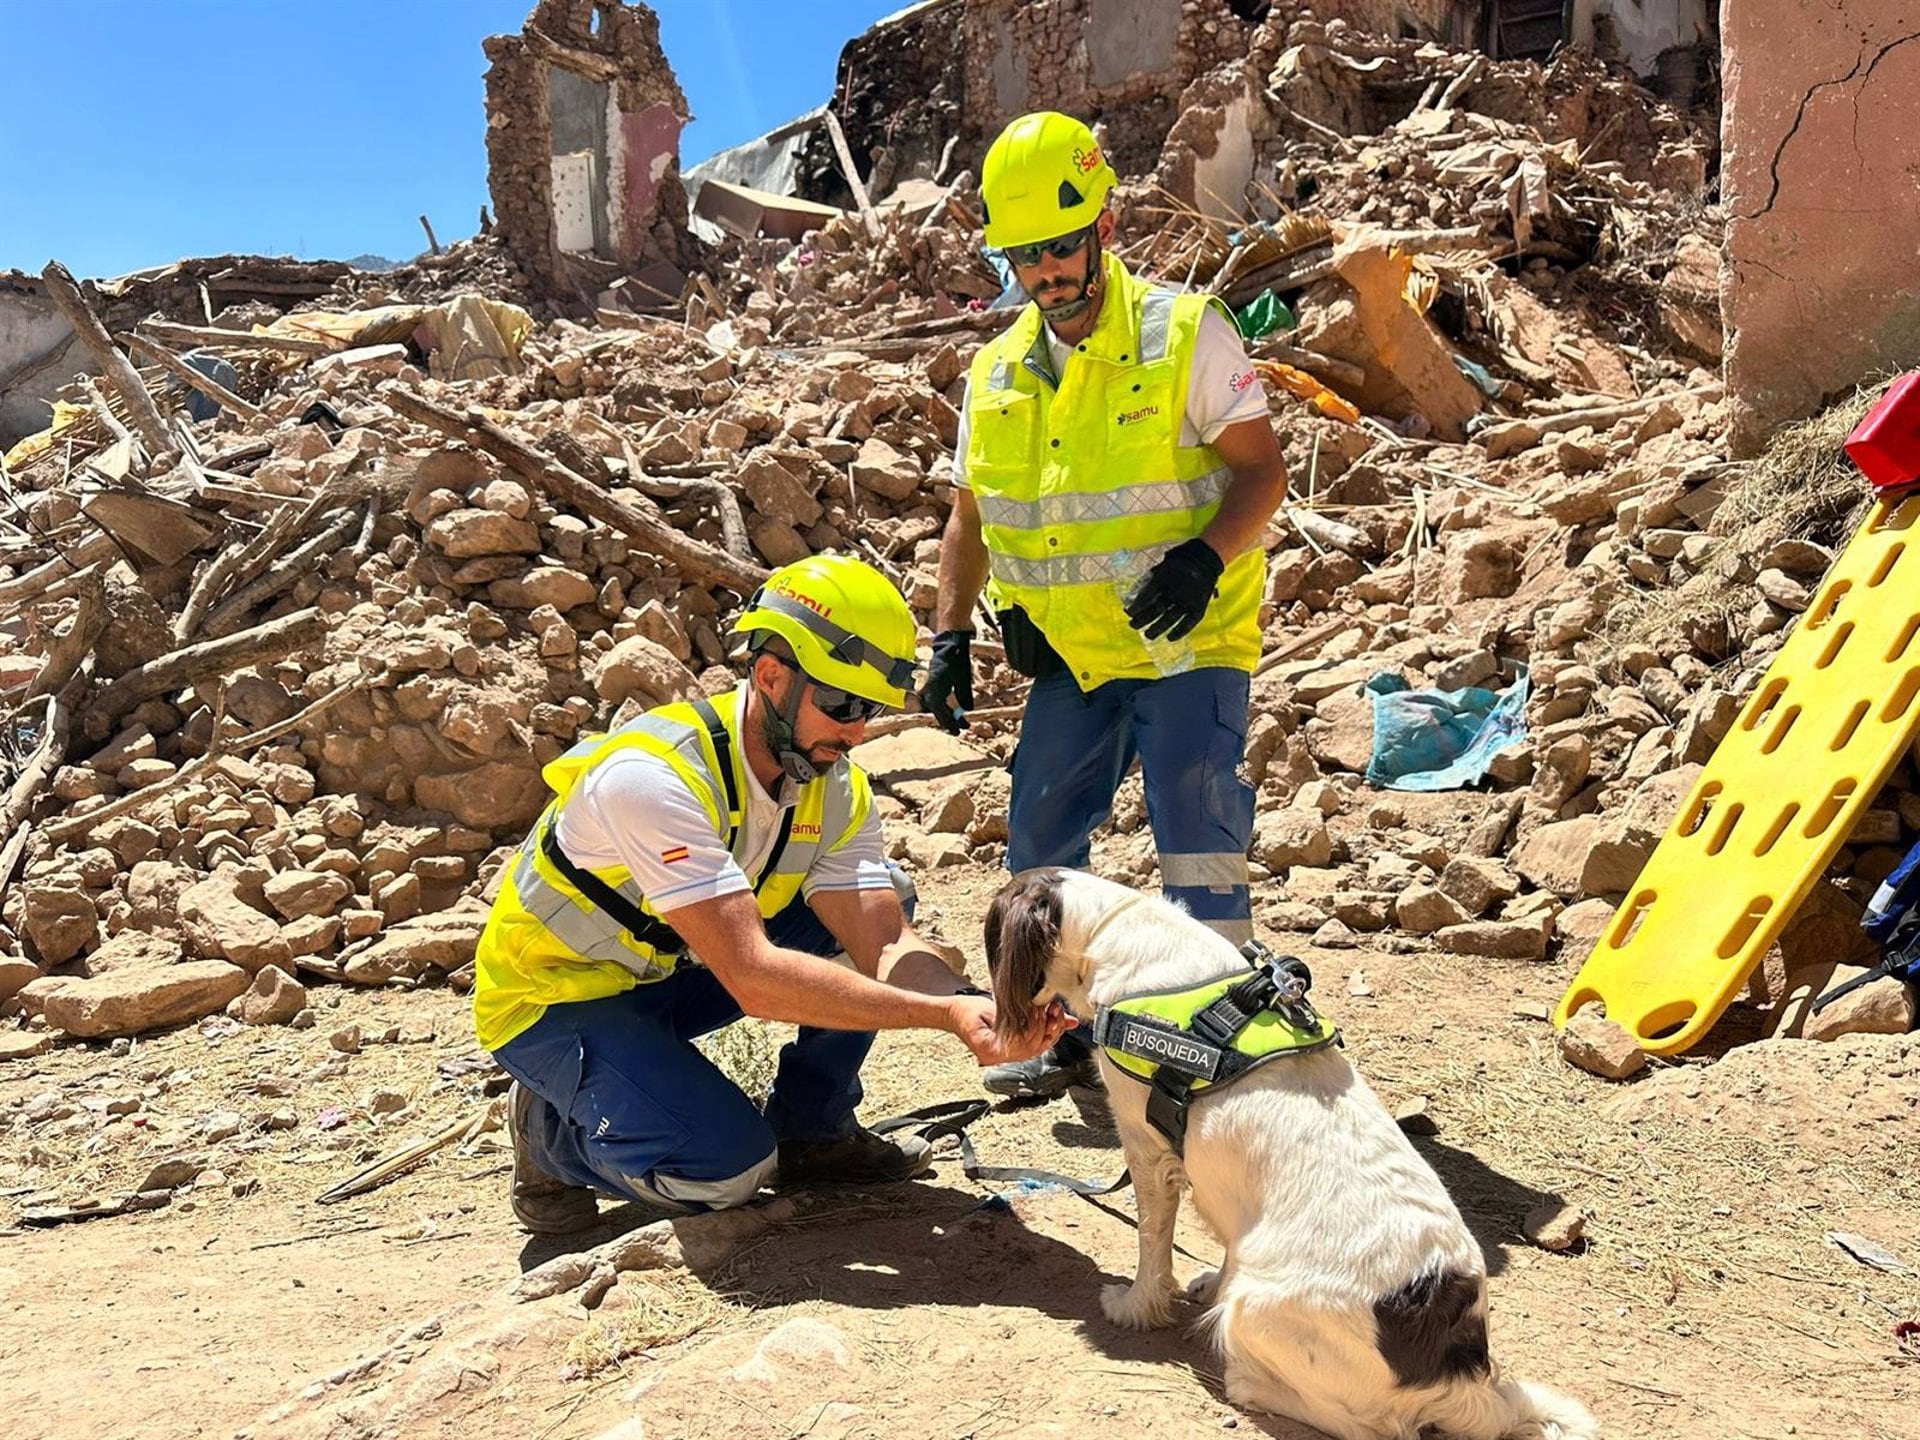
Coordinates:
647 1308
1803 488
744 1052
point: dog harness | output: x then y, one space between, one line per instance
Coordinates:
1183 1042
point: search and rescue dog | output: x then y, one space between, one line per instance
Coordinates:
1352 1297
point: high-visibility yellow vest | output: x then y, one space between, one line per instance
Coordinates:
1080 482
548 940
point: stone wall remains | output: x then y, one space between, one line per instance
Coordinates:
605 48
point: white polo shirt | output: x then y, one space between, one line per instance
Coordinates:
1223 390
632 809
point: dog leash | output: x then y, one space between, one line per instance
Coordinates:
952 1117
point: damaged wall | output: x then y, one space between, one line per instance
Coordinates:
1638 32
36 357
1821 146
583 144
925 93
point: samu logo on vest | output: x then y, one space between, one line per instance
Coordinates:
1134 417
804 830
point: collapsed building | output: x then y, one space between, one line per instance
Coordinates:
281 680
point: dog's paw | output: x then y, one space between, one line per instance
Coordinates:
1134 1307
1204 1288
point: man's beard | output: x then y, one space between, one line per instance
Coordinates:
1063 300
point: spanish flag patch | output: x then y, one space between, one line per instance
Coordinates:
679 852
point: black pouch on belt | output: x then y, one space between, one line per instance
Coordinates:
1027 649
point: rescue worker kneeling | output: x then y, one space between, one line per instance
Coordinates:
698 864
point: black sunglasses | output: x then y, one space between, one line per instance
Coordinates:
1061 247
842 707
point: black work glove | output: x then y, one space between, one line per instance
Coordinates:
1028 650
950 677
1176 592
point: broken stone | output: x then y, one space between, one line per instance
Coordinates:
60 921
951 811
774 493
1599 1046
1555 856
1798 557
1559 773
444 940
939 852
133 948
1495 939
1555 1227
1288 837
16 972
136 742
1579 928
1884 1007
885 471
1782 589
493 796
132 1001
640 667
1626 840
217 921
23 1045
1478 883
465 534
297 893
175 1171
1421 910
273 998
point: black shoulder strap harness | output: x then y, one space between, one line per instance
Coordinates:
650 930
1202 1051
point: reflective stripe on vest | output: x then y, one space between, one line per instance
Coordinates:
546 941
1082 483
1080 508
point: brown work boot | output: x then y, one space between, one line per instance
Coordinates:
857 1158
542 1203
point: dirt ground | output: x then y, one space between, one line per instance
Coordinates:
1707 1298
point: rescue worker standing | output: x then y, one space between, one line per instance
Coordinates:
1114 474
696 865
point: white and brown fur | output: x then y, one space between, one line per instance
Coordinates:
1352 1297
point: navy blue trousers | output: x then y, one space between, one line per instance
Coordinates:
1189 733
628 1106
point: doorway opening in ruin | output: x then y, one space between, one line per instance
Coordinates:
577 111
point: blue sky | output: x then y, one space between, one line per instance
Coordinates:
135 132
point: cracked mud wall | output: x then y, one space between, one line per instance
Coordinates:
1821 182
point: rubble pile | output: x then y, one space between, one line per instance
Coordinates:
281 681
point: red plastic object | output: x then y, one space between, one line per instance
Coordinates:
1886 444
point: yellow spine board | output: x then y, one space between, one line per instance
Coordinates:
1808 752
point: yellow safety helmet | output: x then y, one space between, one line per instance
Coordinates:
1043 177
846 622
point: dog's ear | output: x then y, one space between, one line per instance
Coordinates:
1023 930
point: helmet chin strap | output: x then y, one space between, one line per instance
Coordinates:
1070 310
777 727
